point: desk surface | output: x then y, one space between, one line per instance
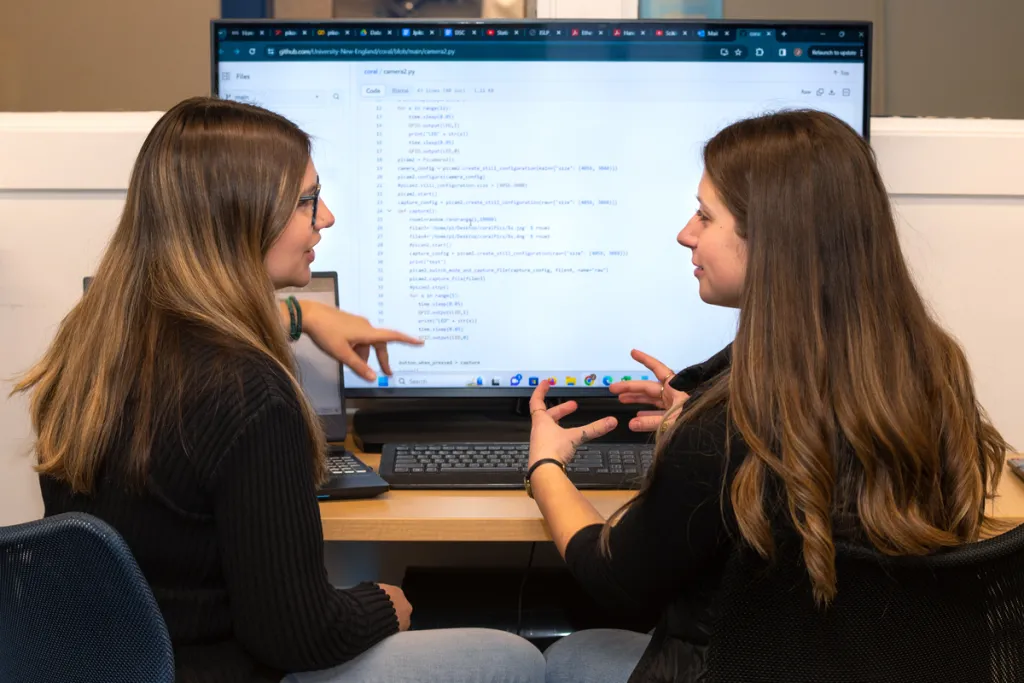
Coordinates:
507 515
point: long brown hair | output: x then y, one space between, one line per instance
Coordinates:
842 385
213 187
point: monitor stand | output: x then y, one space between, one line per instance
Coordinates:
464 420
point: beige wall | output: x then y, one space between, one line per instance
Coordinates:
302 9
103 55
955 58
932 57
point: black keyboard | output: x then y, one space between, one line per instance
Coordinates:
503 465
350 477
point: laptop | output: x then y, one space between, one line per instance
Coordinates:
322 381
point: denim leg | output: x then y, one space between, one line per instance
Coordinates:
595 656
460 655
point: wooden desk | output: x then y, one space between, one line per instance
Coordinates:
1009 502
502 515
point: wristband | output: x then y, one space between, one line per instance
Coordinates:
529 472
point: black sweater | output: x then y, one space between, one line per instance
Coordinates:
675 540
227 531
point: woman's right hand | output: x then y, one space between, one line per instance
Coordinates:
402 607
650 392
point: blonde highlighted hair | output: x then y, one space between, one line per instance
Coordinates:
212 188
842 385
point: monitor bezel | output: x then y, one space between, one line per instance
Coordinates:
577 392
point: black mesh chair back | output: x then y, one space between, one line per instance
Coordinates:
956 616
74 607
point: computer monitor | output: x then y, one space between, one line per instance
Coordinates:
512 191
319 373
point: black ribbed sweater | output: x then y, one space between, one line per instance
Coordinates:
227 531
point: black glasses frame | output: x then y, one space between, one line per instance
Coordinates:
315 198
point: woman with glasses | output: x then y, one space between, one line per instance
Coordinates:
168 406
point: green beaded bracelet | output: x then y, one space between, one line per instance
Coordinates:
294 318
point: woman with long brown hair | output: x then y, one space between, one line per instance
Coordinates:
842 411
168 406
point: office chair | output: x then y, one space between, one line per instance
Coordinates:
953 616
74 607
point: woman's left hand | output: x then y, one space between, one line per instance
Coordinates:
349 338
548 439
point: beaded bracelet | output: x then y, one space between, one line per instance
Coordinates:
294 318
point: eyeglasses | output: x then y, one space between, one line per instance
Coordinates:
315 198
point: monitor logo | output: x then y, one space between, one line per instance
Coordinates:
590 379
534 381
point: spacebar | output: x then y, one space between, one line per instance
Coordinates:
451 470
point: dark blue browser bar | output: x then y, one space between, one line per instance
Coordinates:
512 51
683 40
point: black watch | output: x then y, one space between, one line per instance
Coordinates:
529 472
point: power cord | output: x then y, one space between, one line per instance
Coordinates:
522 589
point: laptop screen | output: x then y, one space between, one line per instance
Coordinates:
319 374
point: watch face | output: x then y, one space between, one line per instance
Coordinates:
422 9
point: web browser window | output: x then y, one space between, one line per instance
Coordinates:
512 192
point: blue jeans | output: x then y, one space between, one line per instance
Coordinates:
460 655
595 656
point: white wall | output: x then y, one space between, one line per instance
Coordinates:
958 190
957 186
62 180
